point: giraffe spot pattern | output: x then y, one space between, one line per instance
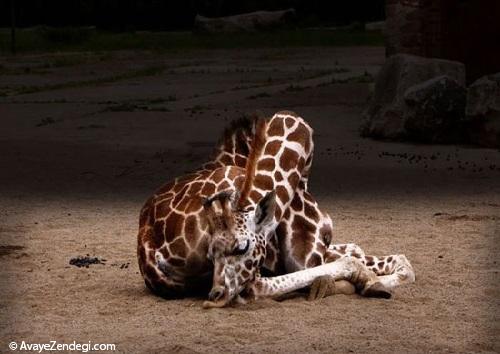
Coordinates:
276 128
255 196
273 147
264 182
288 159
301 135
311 211
266 164
297 203
178 247
289 122
302 237
191 231
208 188
293 180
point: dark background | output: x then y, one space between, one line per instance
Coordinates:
175 15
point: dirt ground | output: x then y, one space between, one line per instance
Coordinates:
83 143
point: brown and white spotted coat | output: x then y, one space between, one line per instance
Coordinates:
179 229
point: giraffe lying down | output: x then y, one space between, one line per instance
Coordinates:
237 248
245 226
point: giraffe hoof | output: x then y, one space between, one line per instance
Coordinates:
376 290
344 287
321 287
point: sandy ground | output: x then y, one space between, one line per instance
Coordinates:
77 163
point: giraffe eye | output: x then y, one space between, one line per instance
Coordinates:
241 249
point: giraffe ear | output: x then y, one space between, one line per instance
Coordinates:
264 213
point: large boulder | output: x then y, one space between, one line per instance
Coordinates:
249 22
391 107
483 111
435 111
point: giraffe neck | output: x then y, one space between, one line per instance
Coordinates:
281 149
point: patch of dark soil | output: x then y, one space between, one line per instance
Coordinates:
85 261
91 126
465 217
9 249
46 121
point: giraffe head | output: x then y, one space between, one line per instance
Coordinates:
237 244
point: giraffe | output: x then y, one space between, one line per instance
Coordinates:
238 249
177 224
304 233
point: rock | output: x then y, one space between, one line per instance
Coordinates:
435 110
375 26
483 111
249 22
388 110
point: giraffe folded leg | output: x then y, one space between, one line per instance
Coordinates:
392 270
346 268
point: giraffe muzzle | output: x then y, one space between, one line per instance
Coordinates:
218 298
216 293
